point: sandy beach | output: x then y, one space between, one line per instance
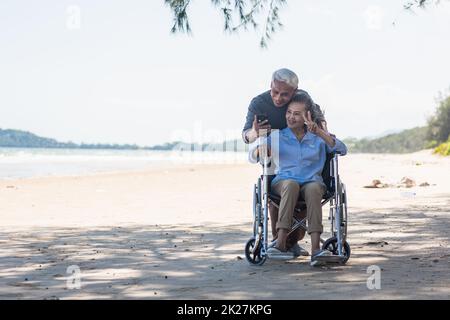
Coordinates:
179 233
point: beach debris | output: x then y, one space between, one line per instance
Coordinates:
407 182
377 184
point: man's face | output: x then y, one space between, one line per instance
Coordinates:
294 115
281 93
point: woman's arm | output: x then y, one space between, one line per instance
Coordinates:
317 130
328 138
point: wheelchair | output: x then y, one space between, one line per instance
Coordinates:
256 247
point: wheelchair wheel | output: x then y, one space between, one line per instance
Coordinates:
331 245
256 207
254 256
345 214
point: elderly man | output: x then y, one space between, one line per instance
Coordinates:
299 153
273 104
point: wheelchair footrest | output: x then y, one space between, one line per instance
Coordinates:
331 259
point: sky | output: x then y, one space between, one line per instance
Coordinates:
110 71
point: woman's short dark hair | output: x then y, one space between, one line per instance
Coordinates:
317 114
303 98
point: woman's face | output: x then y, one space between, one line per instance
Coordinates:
294 115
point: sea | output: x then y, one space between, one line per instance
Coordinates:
18 163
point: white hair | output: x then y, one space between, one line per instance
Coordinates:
287 76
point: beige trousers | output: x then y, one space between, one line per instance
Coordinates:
311 192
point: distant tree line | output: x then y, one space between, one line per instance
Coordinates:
436 134
410 140
438 130
24 139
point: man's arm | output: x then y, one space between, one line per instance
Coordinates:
247 135
259 147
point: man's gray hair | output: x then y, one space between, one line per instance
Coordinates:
287 76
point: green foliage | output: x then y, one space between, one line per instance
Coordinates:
419 3
240 14
439 123
237 15
434 135
443 148
431 144
14 138
410 140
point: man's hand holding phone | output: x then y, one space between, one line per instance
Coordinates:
261 125
260 128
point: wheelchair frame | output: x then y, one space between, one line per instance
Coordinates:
256 247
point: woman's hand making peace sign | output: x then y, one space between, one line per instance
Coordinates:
311 125
314 128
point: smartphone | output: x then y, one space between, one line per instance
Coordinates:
261 118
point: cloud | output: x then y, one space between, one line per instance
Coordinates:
373 16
